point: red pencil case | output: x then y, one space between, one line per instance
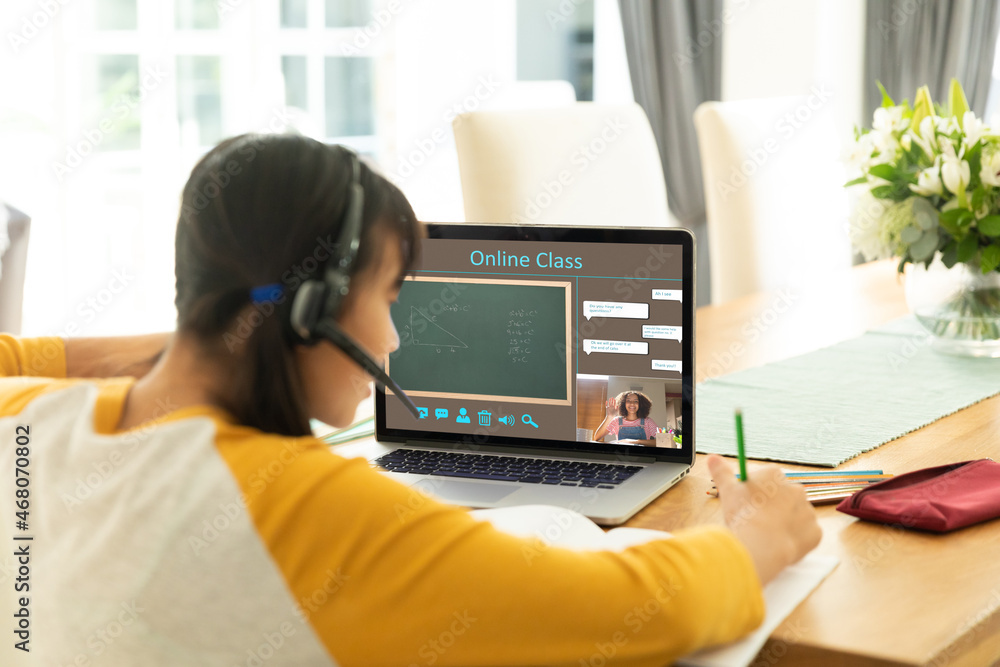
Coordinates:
938 499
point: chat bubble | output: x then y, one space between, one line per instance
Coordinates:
441 413
668 295
666 365
661 331
632 311
615 346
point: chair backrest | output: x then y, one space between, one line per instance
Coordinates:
582 164
774 195
13 263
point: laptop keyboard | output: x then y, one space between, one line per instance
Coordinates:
507 468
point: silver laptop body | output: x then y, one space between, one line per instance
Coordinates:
512 340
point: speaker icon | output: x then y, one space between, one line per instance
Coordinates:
507 419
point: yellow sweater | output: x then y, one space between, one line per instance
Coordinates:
236 547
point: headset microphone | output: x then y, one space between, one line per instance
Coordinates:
335 335
316 302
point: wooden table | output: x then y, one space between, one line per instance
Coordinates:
897 597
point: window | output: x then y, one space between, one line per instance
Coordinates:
122 97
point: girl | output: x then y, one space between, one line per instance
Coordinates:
628 419
185 516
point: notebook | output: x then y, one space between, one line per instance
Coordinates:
512 341
781 595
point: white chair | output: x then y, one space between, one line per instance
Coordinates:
774 196
582 164
13 261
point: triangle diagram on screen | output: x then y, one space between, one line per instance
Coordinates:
433 334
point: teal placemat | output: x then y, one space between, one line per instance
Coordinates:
830 405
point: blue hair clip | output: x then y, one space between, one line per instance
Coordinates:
266 293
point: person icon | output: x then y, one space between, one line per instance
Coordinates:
462 417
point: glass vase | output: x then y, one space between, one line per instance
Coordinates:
960 307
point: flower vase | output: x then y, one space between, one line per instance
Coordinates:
960 307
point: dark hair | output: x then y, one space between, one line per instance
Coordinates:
263 209
645 405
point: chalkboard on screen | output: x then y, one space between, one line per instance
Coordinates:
480 338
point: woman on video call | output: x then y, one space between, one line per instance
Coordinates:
179 498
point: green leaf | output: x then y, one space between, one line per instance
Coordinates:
922 107
886 100
895 192
978 194
956 221
949 254
886 171
990 225
925 217
966 248
925 247
957 104
910 234
952 215
990 258
856 181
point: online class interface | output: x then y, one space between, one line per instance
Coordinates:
532 339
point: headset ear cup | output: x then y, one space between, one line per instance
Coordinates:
307 308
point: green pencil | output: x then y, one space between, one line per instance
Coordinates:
739 445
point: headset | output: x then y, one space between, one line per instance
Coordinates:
316 303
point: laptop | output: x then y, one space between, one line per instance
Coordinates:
512 341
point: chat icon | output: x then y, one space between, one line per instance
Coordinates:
441 413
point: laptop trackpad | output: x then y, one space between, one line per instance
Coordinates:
465 493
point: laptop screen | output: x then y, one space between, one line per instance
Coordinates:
570 338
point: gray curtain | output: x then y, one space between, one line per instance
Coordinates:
675 63
909 44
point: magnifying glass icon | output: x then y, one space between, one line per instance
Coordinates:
526 419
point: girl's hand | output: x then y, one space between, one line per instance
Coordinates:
769 514
612 406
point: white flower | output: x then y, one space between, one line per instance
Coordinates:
860 153
928 134
955 173
887 120
929 180
989 174
906 142
974 129
866 227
